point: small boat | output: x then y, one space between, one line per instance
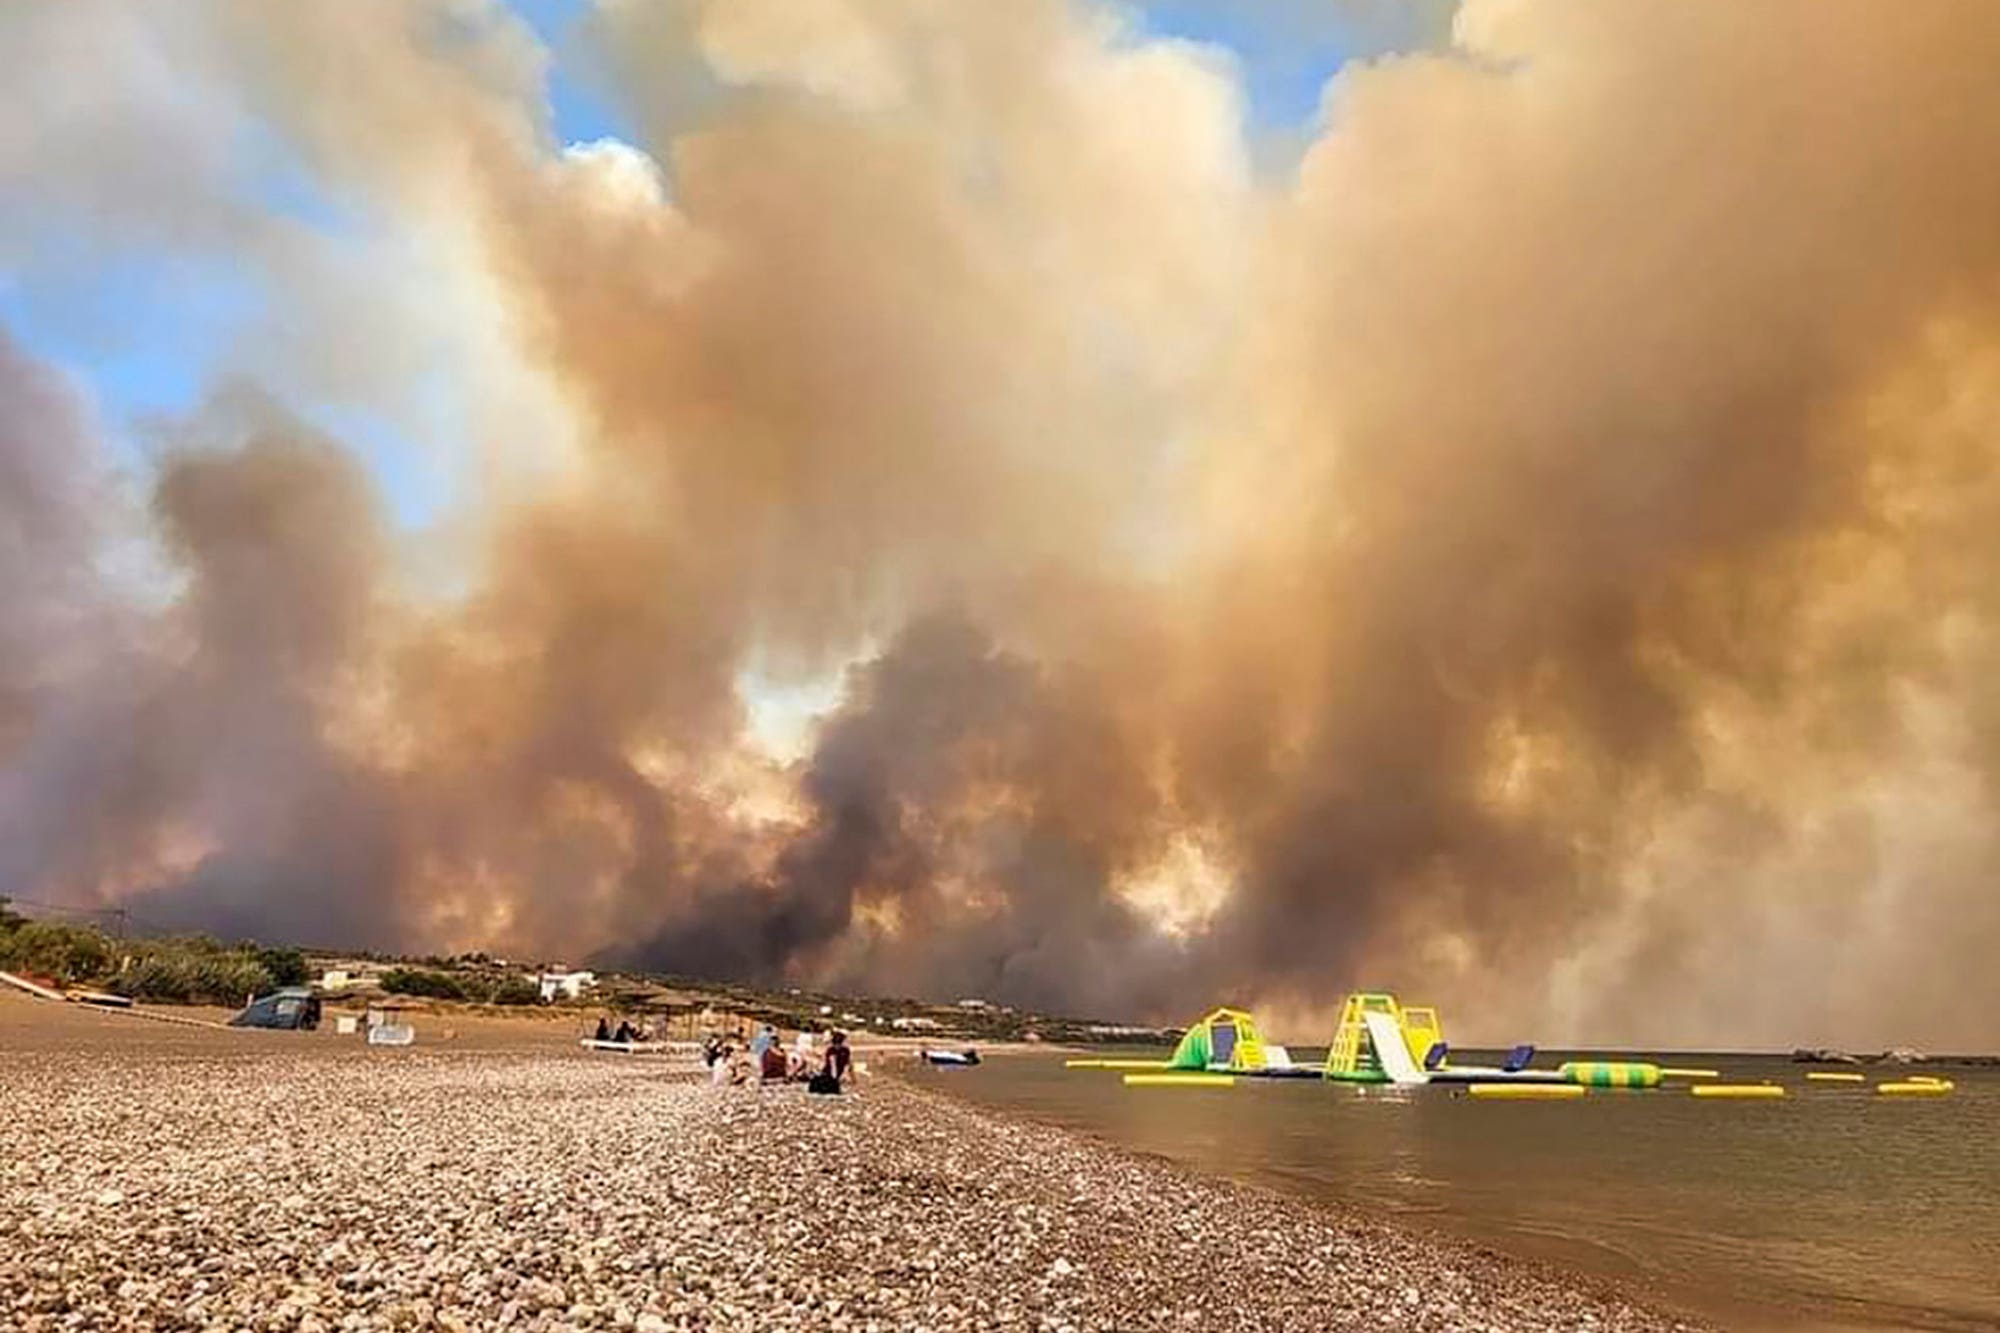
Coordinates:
949 1059
102 999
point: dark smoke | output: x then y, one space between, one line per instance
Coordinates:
973 808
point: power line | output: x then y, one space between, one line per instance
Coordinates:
121 918
70 908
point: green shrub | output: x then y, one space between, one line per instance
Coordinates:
192 970
51 948
514 989
231 978
286 966
158 975
415 981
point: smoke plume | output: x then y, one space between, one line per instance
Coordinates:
1536 552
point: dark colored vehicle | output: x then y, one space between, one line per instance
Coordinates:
294 1009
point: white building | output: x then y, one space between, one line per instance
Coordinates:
914 1023
564 985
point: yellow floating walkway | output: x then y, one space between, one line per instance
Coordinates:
1914 1088
1180 1079
1821 1077
1528 1091
1745 1090
1670 1072
1115 1064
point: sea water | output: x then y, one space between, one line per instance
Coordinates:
1834 1207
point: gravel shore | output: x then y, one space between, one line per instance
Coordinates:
273 1181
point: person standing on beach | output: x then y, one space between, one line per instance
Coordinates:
766 1037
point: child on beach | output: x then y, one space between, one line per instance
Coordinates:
732 1069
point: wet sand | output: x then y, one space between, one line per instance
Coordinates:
167 1177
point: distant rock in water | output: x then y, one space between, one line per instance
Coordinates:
1895 1055
1820 1055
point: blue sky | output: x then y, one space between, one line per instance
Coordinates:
1287 50
145 332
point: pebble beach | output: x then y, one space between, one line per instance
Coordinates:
161 1177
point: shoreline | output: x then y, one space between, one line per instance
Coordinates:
292 1182
1396 1254
1560 1262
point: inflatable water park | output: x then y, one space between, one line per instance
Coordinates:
1379 1040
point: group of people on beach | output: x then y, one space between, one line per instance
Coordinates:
624 1032
764 1059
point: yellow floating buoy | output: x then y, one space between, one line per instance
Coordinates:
1690 1073
1612 1073
1819 1077
1934 1088
1928 1078
1738 1090
1527 1091
1183 1079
